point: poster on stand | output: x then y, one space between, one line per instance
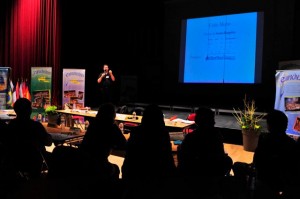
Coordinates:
4 77
287 98
73 88
41 84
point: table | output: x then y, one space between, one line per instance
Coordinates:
7 114
64 136
176 123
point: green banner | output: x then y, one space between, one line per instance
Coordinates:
4 76
41 81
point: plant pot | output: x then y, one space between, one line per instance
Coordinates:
250 140
53 120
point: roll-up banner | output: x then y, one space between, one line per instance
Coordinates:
287 98
41 81
73 88
4 77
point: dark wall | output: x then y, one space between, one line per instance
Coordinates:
144 42
278 46
126 36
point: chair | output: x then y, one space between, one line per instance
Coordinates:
25 163
139 110
123 109
190 117
76 121
67 162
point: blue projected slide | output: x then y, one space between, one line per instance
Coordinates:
222 49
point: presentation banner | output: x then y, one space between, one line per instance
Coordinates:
73 88
41 84
287 98
4 76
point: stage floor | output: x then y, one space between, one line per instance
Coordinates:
225 121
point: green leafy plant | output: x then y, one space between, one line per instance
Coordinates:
247 118
51 110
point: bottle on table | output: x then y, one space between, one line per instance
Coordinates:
121 126
62 122
134 115
39 117
86 124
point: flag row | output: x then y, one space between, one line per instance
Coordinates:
18 90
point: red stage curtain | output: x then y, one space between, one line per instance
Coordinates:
30 36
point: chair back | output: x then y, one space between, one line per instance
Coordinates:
139 110
123 109
191 116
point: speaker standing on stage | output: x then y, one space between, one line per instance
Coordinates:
106 79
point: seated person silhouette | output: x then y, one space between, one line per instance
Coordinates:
292 190
102 136
148 152
3 130
201 153
26 141
273 157
148 159
88 165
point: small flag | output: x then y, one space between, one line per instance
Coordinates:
17 90
9 100
14 97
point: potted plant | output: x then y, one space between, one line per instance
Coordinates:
52 115
248 120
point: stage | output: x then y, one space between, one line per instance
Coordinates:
225 121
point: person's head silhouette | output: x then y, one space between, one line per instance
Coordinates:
205 117
277 121
153 116
107 112
23 108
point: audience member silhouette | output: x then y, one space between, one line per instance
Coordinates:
292 191
102 136
3 156
273 157
202 161
26 140
3 130
148 159
3 134
201 153
88 166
